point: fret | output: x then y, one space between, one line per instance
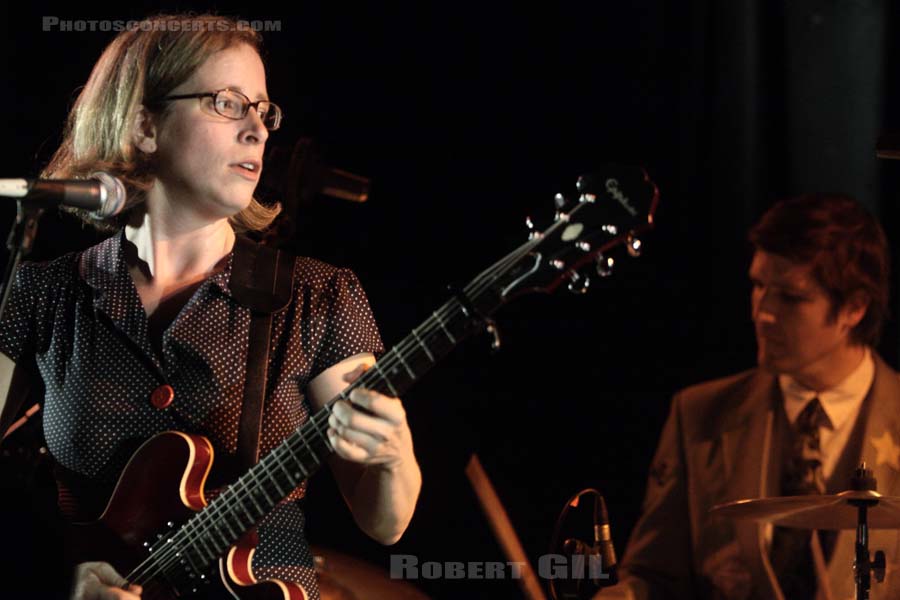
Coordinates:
386 380
276 458
196 538
234 535
323 435
290 467
259 508
405 366
214 527
187 556
188 532
310 450
218 541
238 510
444 327
178 549
263 489
303 473
343 396
415 333
281 491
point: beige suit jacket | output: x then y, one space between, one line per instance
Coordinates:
715 448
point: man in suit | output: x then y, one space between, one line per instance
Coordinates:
819 296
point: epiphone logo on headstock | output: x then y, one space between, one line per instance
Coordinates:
612 186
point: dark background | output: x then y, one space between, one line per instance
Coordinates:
467 118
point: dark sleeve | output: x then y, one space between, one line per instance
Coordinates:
349 327
23 329
18 324
658 558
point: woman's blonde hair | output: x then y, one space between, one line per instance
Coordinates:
139 67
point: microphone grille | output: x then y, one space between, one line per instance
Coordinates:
112 195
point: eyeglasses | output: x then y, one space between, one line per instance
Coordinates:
232 104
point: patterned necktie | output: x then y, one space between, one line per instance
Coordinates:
801 474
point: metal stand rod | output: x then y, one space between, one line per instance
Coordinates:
21 238
864 565
862 569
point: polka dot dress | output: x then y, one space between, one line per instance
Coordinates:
82 321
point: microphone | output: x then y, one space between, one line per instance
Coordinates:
602 548
600 558
103 195
603 540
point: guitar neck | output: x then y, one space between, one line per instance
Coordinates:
243 504
304 452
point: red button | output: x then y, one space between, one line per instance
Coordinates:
162 396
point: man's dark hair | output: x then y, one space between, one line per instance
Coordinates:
845 246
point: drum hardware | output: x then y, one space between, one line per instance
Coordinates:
861 508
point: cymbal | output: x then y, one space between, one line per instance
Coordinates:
343 577
816 511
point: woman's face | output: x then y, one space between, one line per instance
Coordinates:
210 164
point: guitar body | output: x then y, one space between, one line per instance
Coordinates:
163 486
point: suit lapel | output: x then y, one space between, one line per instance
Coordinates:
746 446
881 446
881 453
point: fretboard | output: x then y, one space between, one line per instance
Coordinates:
209 533
187 553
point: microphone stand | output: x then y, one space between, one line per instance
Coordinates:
20 240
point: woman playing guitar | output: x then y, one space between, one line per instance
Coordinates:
142 333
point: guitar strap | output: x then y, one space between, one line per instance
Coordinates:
261 280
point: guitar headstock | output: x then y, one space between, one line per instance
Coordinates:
614 207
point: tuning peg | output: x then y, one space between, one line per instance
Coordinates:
561 203
532 232
634 246
492 329
605 265
578 284
584 181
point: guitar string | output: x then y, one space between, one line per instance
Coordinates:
204 522
165 560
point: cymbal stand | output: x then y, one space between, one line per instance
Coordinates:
863 565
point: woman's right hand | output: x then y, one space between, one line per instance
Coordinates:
99 581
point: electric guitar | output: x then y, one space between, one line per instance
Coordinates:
159 530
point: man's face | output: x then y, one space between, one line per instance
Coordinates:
796 333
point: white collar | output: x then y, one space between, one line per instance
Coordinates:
840 402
